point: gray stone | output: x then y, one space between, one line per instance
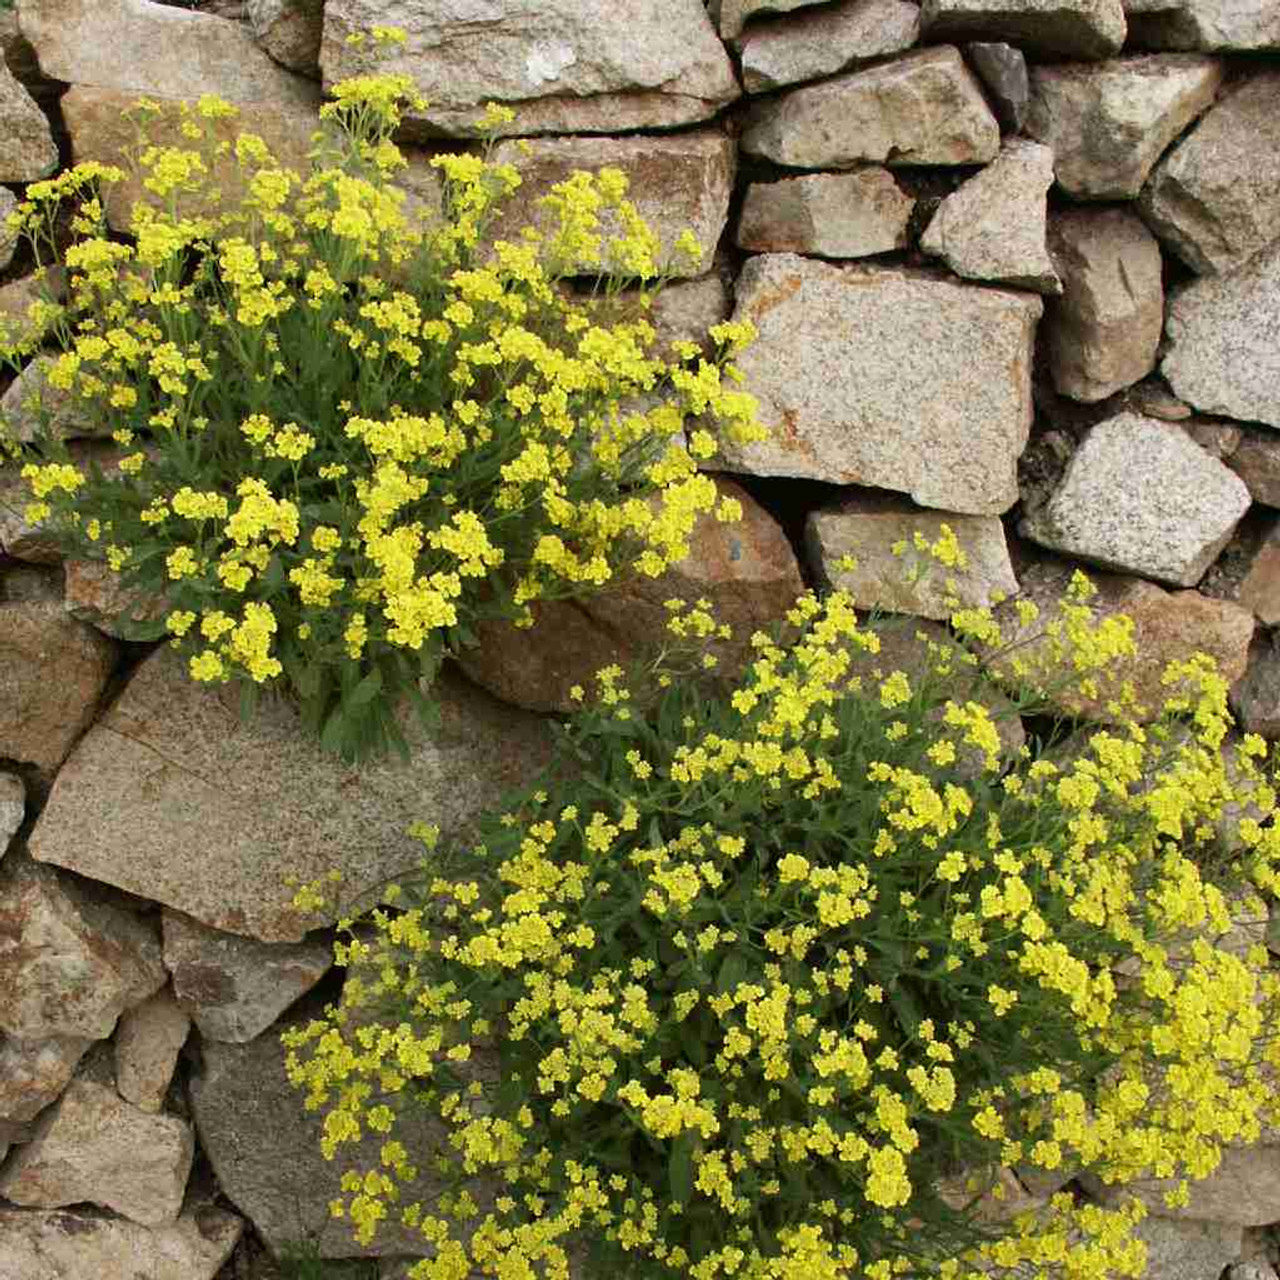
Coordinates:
53 1245
888 378
95 43
69 963
677 183
280 1179
33 1073
1140 496
868 525
1104 332
1218 439
1223 353
1188 1250
8 239
922 109
1153 398
1228 25
1167 626
290 31
94 1146
1256 460
40 719
171 768
1108 124
1215 198
992 227
565 66
1003 70
686 309
824 41
733 14
32 403
832 215
17 52
235 988
27 149
148 1040
1258 584
13 808
1058 28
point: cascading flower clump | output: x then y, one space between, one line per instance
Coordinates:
343 435
818 977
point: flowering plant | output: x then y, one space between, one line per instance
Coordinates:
347 436
816 979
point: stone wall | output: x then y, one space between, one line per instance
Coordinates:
1015 265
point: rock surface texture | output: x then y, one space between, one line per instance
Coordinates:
1060 28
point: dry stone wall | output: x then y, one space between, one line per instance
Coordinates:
1015 265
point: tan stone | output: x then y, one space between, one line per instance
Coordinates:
95 1146
566 66
822 41
32 405
677 183
1227 25
1109 123
27 149
1215 198
41 718
1256 460
100 130
735 13
1244 1191
889 378
828 214
16 301
992 227
94 594
170 767
867 525
234 988
746 569
1168 625
33 1073
148 1040
70 964
13 808
921 109
1078 29
290 31
1104 332
53 1245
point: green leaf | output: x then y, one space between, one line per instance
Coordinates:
731 972
334 737
680 1168
904 1005
366 690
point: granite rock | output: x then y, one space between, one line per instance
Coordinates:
1140 496
1003 70
1108 123
921 109
1053 28
830 215
1226 25
888 378
290 31
27 148
148 1040
33 1073
993 226
32 404
13 808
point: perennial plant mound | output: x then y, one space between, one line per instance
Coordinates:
778 986
346 436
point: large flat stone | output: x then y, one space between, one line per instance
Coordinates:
1059 28
234 988
867 525
747 570
1109 123
992 227
1141 497
820 42
566 66
832 215
925 108
171 768
677 183
1104 332
887 378
1244 1190
70 964
99 130
27 149
1215 198
97 43
1223 353
43 1244
94 1146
